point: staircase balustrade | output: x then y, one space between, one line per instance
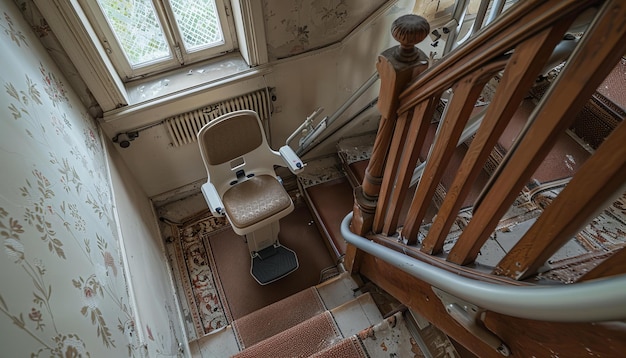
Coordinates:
516 47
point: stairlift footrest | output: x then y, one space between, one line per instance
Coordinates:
294 163
279 263
213 199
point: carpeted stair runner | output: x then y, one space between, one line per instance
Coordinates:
303 340
319 332
352 329
293 310
275 318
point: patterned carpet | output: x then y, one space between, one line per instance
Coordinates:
524 208
605 233
203 301
211 268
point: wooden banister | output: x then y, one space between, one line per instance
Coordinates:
521 71
516 48
600 49
592 188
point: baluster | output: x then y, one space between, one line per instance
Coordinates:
521 71
601 47
396 67
593 187
459 109
415 137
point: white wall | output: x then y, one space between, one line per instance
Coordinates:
323 78
149 281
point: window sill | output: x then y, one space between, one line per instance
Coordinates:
154 99
185 79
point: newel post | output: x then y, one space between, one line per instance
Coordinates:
396 67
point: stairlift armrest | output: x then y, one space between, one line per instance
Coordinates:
294 163
213 199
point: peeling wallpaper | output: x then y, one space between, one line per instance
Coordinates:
299 26
64 283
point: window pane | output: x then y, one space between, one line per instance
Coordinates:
199 23
137 30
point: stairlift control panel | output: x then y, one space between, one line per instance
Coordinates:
291 158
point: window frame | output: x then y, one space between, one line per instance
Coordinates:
79 41
179 57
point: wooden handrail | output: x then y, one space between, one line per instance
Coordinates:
516 48
598 52
520 73
521 22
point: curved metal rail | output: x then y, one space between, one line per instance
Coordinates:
592 301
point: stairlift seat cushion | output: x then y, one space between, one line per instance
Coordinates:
254 200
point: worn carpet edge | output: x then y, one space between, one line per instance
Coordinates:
199 284
348 348
390 338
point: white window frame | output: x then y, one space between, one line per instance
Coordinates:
178 54
70 24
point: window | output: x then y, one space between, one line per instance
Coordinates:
143 37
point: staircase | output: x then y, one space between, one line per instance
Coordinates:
336 318
535 197
517 204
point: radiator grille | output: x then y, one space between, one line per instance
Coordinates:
184 127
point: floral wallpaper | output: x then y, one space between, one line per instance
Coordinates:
64 286
299 26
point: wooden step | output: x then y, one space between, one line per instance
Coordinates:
328 194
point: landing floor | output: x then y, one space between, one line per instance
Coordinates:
211 264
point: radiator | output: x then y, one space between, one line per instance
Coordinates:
184 127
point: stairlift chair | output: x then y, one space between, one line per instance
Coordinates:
243 186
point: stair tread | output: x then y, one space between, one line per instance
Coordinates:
262 323
355 315
330 202
389 338
305 339
259 325
319 332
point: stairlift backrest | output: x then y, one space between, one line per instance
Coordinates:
234 142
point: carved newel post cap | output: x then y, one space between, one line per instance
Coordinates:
409 30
